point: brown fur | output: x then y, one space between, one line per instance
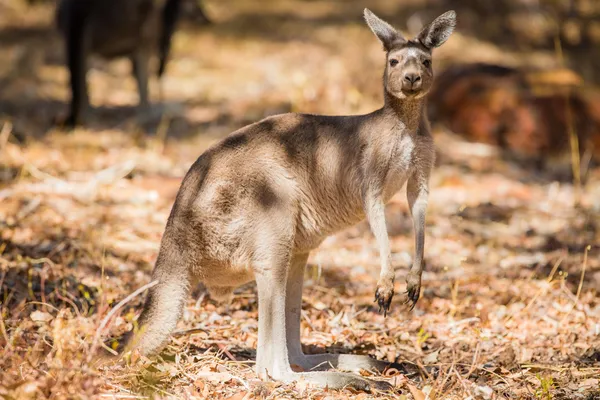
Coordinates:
253 206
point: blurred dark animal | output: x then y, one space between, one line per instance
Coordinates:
193 10
255 205
114 28
190 9
528 114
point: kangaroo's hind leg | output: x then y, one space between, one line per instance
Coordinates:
272 265
316 362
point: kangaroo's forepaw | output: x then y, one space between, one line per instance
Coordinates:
413 289
383 297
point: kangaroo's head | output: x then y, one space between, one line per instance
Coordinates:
409 69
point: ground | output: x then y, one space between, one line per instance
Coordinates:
509 307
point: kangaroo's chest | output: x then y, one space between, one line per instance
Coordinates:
401 165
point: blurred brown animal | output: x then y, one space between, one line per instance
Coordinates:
500 106
195 11
114 28
254 206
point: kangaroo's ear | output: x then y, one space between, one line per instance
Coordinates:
387 35
437 32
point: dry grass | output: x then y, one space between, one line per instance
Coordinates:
510 306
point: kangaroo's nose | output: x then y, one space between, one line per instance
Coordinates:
412 78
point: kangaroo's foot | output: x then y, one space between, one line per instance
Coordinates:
343 362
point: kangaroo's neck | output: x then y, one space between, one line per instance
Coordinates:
408 113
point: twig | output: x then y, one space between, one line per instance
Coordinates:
475 357
576 298
83 187
465 321
42 303
111 351
540 292
188 332
224 375
462 382
3 330
5 134
41 260
448 374
68 301
554 268
585 258
41 175
453 364
545 367
112 312
223 348
199 301
307 319
170 395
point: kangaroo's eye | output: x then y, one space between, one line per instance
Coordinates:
393 62
427 63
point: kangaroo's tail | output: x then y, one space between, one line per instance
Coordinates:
164 304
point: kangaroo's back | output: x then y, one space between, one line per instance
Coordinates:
113 27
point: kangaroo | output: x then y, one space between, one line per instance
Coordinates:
110 29
253 206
